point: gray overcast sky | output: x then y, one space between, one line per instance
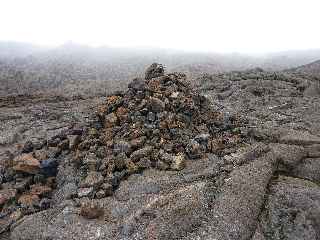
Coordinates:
215 25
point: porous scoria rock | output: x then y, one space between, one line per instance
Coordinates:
158 123
26 163
155 70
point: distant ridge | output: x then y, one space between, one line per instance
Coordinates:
312 69
10 49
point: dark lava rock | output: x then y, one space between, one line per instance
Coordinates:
159 123
90 210
137 84
27 147
155 70
292 210
49 167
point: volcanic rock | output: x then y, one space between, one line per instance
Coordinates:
85 192
155 70
27 147
23 183
141 153
178 162
156 105
108 189
49 167
41 154
29 200
26 163
7 220
64 145
300 138
122 147
111 120
224 185
40 190
93 179
157 123
7 195
91 210
313 150
73 141
137 84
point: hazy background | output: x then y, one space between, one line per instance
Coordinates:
89 48
248 26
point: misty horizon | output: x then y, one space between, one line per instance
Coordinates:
57 44
246 27
72 45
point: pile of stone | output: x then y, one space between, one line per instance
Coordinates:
27 180
159 122
28 176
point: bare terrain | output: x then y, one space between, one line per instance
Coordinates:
75 70
227 149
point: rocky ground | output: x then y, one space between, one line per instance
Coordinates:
161 161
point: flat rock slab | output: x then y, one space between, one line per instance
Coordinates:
292 210
60 224
235 213
309 169
299 138
289 156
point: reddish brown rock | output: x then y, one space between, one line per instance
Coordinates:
51 182
100 194
122 113
29 200
101 110
40 190
154 84
111 100
26 163
111 103
215 145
